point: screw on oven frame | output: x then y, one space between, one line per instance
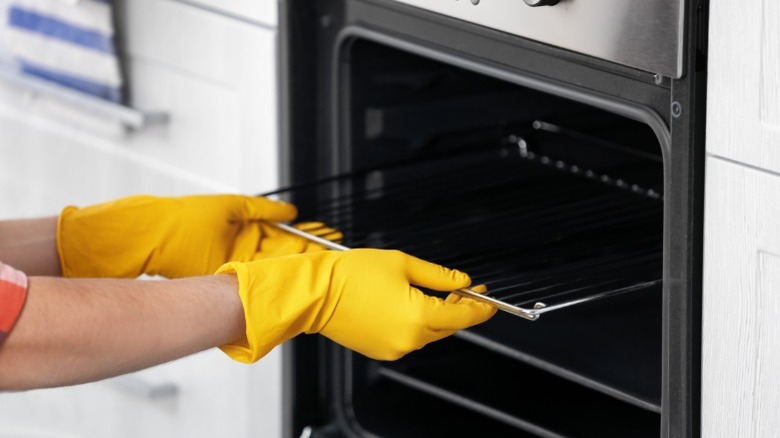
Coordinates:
676 109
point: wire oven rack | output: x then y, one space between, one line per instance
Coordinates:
542 234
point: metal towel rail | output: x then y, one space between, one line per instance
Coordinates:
129 117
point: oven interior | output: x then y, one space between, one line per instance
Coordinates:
522 189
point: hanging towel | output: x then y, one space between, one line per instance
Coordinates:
67 42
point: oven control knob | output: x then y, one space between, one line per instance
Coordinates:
536 3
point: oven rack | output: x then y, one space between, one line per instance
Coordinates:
430 371
540 234
554 289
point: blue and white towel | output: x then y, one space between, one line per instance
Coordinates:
67 42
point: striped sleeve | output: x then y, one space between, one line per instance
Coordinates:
13 291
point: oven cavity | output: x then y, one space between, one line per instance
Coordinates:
545 199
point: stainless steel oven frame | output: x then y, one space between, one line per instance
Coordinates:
313 37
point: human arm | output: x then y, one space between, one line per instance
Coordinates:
73 330
30 245
78 330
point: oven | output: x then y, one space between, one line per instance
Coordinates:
551 149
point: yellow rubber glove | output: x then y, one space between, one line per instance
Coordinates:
174 237
362 299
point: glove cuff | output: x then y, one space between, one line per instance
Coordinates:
243 350
68 270
282 298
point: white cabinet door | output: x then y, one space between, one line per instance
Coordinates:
741 295
214 76
45 166
743 109
215 397
217 79
741 302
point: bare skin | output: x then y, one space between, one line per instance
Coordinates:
79 330
30 246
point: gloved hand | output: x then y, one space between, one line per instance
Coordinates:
362 299
174 237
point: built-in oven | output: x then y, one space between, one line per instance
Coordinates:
551 149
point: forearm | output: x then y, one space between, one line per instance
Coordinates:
30 245
75 331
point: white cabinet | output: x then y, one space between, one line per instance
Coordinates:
258 11
216 398
214 73
743 109
214 76
741 294
741 320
